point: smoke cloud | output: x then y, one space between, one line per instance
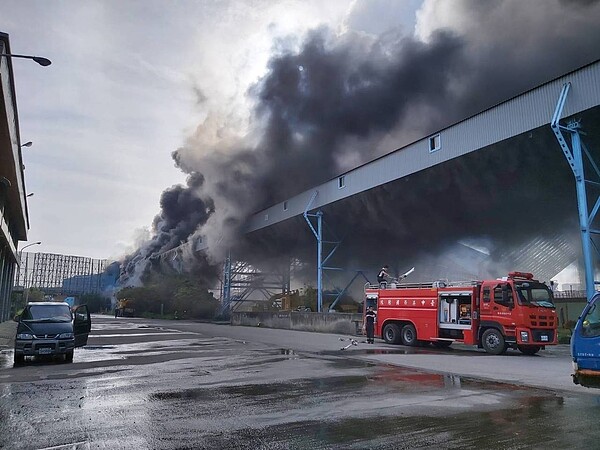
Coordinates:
339 100
182 212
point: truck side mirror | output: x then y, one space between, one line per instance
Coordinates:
17 318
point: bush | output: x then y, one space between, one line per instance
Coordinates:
95 302
564 336
192 301
169 295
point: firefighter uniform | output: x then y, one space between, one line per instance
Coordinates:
370 317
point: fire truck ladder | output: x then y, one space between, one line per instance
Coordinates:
575 159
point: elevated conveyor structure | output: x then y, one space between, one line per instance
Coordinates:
498 178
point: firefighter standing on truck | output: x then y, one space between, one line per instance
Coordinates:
370 318
382 276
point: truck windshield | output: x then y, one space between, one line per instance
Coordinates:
534 294
58 313
590 324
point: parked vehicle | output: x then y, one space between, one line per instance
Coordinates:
585 345
51 328
516 311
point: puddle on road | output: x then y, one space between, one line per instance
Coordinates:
93 353
295 400
6 359
531 424
99 347
264 394
137 335
386 408
389 379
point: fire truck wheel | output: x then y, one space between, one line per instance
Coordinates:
391 333
493 341
529 350
409 335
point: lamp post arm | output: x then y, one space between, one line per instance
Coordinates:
38 59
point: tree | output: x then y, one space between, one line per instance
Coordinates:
192 300
309 297
168 294
35 295
95 302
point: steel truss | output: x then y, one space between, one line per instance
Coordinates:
60 274
575 158
243 282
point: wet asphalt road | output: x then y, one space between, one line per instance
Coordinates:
142 384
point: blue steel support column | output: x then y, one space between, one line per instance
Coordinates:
584 220
319 235
321 242
343 291
319 261
575 159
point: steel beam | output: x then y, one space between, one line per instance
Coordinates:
241 279
574 156
321 242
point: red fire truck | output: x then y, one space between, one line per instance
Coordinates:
510 312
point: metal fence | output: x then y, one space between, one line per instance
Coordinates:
64 274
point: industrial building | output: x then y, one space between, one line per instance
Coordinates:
498 178
14 218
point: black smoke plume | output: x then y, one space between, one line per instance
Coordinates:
182 212
339 101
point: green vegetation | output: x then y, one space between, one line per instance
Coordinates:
565 332
564 335
96 302
35 295
176 296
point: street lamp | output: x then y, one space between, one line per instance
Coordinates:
38 59
26 144
29 195
20 261
29 245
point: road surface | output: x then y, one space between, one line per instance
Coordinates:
147 384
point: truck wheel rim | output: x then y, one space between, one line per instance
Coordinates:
493 341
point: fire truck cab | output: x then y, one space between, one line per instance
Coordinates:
511 312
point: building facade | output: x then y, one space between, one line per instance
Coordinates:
14 217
